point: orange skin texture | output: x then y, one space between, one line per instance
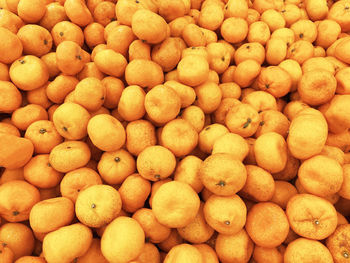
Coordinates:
270 219
311 216
15 151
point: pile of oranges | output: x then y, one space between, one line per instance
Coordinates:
175 131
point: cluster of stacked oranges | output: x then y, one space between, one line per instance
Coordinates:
175 131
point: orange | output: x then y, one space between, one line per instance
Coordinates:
24 116
223 174
193 35
31 11
173 240
187 172
198 231
327 32
193 70
71 120
342 84
343 192
54 14
179 136
294 70
194 115
259 186
186 93
273 121
139 50
167 54
311 174
11 98
337 120
150 253
43 135
6 253
183 253
139 135
262 254
119 39
208 253
273 19
311 216
237 35
170 10
74 239
225 214
259 32
97 205
17 237
94 253
78 12
51 214
283 192
307 250
60 87
67 31
311 83
131 105
122 240
340 51
275 80
11 174
149 26
133 192
300 51
90 93
336 13
39 172
94 34
337 243
115 166
224 107
233 144
69 57
143 72
270 151
114 88
304 141
69 155
113 130
10 20
247 51
104 13
155 163
9 129
15 151
154 231
260 100
318 63
17 199
39 97
267 224
234 248
276 51
175 204
4 72
208 96
242 119
35 39
78 180
334 153
230 90
29 72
